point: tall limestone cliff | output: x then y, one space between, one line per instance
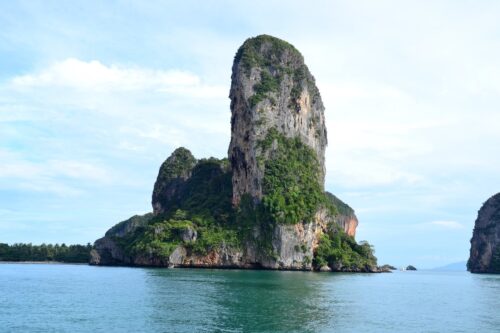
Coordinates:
485 242
271 89
263 207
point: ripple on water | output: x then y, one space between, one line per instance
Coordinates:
80 298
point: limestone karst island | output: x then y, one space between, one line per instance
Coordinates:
265 205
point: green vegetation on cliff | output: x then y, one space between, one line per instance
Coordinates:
250 53
291 189
202 204
275 59
45 252
164 234
340 251
159 238
200 215
268 83
208 192
176 168
340 207
250 217
129 225
179 163
292 193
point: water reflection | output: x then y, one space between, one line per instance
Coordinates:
271 302
238 301
78 298
184 300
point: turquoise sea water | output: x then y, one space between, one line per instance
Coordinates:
80 298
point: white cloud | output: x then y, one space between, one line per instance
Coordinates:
49 186
95 76
49 176
23 169
157 132
122 105
447 224
441 224
345 90
368 171
79 170
111 113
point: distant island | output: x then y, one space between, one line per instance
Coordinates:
485 242
21 252
460 266
265 205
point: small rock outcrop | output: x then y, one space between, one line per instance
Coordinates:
485 242
411 268
262 207
388 267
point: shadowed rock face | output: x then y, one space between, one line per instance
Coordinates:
271 88
171 177
485 242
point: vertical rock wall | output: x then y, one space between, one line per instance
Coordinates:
485 242
271 88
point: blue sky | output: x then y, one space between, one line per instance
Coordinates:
94 95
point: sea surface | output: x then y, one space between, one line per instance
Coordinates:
80 298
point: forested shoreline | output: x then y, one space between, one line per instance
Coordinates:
45 252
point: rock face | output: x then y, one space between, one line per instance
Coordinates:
129 226
271 88
485 242
265 206
173 173
345 218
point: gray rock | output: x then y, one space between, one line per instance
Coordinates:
188 235
325 269
129 226
294 108
387 268
177 257
485 242
171 177
107 252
